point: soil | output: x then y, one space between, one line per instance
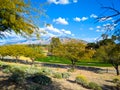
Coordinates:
104 79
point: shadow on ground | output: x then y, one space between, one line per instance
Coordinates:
93 69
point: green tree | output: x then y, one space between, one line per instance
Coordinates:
114 56
55 42
74 51
15 16
109 53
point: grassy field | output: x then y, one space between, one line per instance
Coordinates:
59 60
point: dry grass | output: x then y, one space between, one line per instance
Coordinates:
103 79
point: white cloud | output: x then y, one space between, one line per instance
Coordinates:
84 18
90 28
51 30
59 1
75 1
97 30
77 19
98 27
93 16
66 32
60 21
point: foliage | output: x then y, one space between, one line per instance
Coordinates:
18 76
40 79
74 51
20 50
109 53
57 75
115 80
55 42
70 70
16 15
82 80
46 71
65 75
94 86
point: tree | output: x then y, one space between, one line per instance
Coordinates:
109 53
74 51
113 13
55 42
114 55
15 16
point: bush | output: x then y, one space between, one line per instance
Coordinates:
115 80
57 75
40 79
18 76
65 75
82 80
71 70
46 71
94 86
6 70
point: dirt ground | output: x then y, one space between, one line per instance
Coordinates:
104 79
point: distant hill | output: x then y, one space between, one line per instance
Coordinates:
43 41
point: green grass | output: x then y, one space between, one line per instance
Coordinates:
58 60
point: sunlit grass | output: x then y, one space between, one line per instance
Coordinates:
59 60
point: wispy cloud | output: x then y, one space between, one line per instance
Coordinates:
59 1
98 27
84 18
60 20
77 19
52 31
93 16
75 1
91 28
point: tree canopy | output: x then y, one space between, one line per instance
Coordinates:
74 51
15 16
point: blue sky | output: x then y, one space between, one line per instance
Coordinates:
70 18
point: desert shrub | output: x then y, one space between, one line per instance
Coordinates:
40 79
46 71
71 70
65 75
94 86
82 80
6 70
115 80
57 75
18 76
32 70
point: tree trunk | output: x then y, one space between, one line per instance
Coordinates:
73 64
117 70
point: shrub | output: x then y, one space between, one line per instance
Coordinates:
32 70
6 70
46 71
71 70
65 75
40 79
115 80
94 86
18 76
81 80
57 75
